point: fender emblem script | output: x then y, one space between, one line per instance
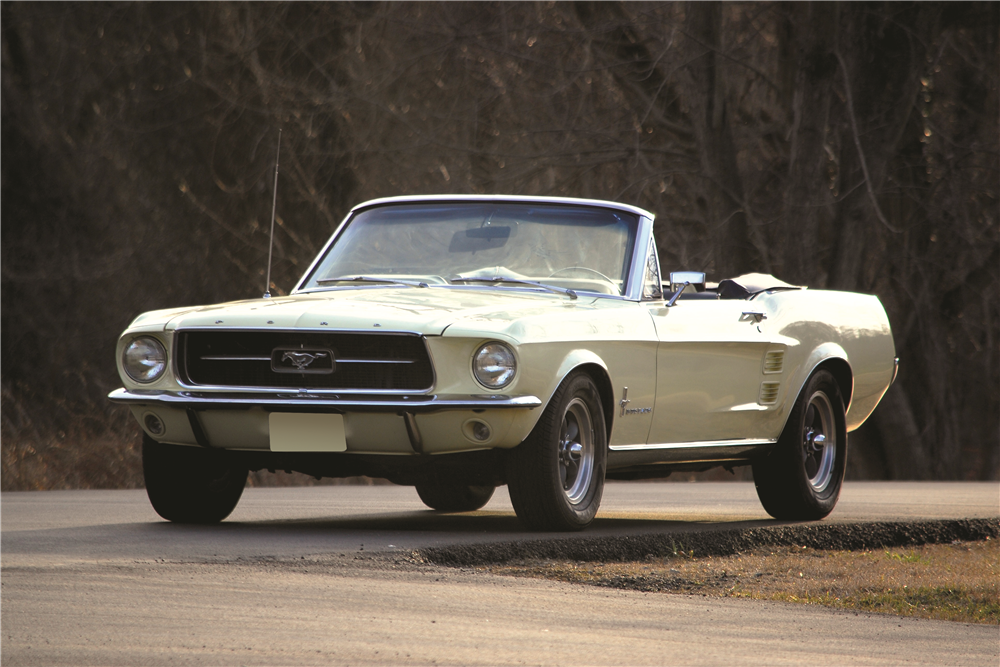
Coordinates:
630 411
315 362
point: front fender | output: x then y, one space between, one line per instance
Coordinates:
616 367
545 382
573 360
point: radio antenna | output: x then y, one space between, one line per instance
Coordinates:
274 206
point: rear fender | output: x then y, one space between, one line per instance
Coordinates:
831 357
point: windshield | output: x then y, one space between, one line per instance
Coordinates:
579 248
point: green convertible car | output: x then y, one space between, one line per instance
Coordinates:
458 343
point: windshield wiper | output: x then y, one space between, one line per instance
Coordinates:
366 279
515 281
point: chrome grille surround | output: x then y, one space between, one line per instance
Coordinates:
244 359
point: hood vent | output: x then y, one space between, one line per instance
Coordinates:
774 361
768 393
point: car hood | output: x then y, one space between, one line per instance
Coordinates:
429 311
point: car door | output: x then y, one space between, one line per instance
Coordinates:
709 362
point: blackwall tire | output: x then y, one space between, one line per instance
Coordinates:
454 498
801 478
190 484
556 476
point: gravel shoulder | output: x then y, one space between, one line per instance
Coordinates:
945 570
828 536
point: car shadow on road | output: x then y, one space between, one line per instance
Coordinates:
481 523
384 532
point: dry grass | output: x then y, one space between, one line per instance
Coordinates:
47 444
955 582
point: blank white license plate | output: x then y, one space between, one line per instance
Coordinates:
292 432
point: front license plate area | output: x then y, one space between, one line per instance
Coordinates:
293 432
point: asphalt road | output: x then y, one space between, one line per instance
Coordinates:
94 577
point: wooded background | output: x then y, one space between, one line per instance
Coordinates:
849 146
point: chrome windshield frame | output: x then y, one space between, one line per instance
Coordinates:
640 254
632 291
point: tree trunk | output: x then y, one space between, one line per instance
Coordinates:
723 188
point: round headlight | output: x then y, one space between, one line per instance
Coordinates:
494 365
144 359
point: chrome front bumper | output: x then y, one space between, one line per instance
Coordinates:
373 424
307 402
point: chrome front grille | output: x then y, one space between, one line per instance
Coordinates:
304 360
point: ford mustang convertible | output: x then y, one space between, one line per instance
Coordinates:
459 343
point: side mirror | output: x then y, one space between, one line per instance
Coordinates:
694 278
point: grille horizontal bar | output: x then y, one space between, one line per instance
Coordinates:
339 361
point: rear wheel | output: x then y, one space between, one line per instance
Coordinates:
190 484
454 498
556 476
801 478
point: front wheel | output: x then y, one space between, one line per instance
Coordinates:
801 478
456 498
556 476
190 484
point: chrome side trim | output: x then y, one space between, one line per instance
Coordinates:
312 402
687 452
699 444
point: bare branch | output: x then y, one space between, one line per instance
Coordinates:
857 144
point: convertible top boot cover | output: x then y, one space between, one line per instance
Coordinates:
745 286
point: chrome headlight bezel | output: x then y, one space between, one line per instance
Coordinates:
494 365
144 359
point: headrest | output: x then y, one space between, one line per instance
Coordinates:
745 286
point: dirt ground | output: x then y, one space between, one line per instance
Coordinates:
948 570
955 582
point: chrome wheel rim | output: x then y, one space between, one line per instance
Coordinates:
819 442
576 451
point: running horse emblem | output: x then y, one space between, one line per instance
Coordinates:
301 360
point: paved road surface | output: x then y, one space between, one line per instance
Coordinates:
93 577
60 526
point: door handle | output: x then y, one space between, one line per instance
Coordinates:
753 316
